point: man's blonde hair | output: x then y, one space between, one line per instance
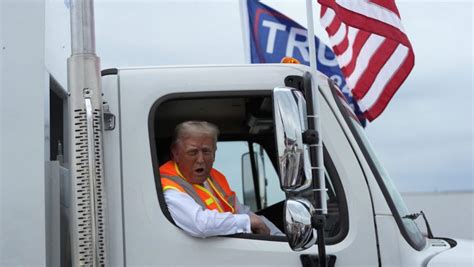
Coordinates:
189 128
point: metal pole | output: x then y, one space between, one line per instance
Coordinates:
87 217
314 68
244 18
82 27
317 166
311 42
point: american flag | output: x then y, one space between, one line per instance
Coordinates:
372 49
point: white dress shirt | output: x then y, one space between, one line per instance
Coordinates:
199 222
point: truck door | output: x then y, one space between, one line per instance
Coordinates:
152 102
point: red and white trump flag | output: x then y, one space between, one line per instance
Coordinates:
372 49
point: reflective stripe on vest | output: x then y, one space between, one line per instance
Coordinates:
188 188
191 191
222 194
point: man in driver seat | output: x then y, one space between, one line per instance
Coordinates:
198 196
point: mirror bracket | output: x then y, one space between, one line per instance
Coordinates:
318 221
310 137
295 81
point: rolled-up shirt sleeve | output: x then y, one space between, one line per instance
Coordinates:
199 222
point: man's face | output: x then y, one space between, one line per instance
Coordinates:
194 155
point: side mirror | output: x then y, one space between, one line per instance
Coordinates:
289 111
298 228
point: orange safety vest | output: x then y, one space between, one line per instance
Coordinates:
223 199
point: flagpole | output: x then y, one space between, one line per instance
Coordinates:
314 122
311 42
244 18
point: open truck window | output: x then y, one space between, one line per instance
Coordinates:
246 154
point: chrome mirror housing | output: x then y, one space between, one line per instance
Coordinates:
297 219
289 111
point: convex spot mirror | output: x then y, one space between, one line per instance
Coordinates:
297 218
289 108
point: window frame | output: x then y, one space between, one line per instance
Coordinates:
376 172
330 167
154 153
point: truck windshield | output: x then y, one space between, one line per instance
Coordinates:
408 227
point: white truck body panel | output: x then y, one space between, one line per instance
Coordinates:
461 255
112 169
24 148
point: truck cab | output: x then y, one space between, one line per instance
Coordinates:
80 158
366 223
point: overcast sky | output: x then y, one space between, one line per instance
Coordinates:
425 136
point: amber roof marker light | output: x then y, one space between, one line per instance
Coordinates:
290 60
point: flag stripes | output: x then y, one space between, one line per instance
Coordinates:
372 49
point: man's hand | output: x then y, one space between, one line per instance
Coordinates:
257 225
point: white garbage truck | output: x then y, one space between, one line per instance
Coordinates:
80 157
